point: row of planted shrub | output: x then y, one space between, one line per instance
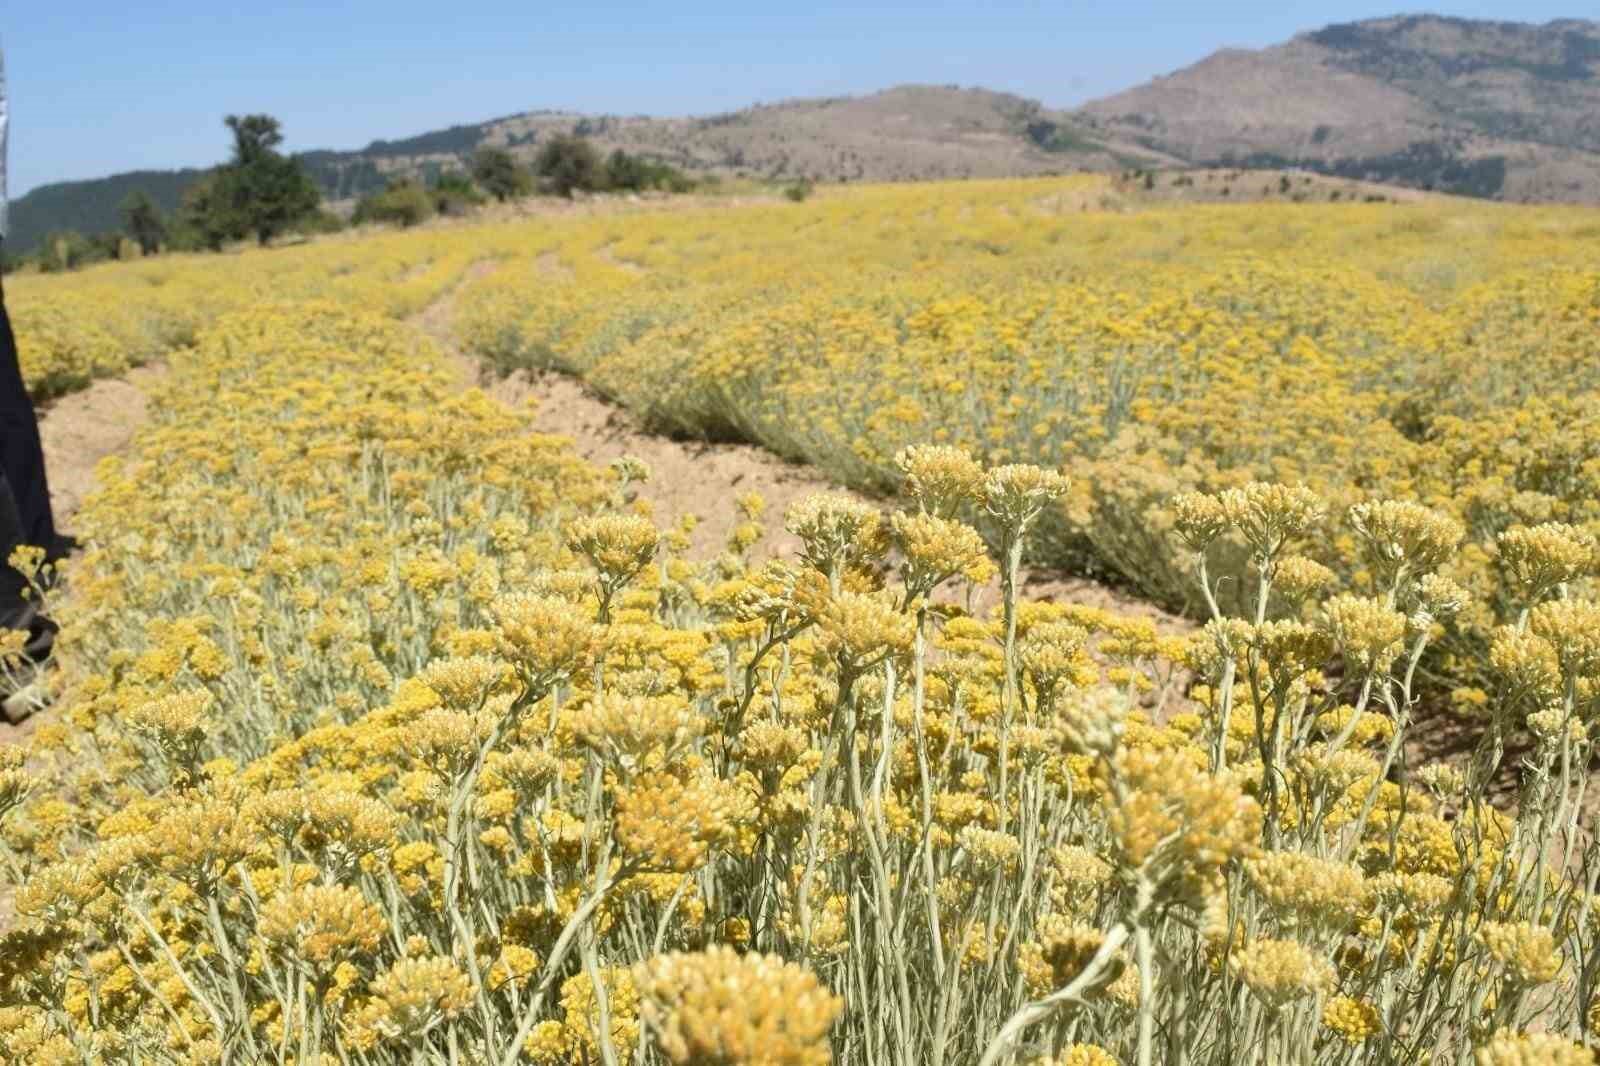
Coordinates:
391 733
1443 352
100 322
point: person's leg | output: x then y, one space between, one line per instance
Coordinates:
19 607
21 454
21 693
13 605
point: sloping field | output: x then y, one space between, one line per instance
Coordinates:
1443 352
389 730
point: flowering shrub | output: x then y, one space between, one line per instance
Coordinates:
389 732
99 322
1347 347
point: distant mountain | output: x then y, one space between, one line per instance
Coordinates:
88 206
1503 110
1497 109
95 206
911 132
906 133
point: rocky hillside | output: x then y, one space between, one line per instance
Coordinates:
912 132
1497 109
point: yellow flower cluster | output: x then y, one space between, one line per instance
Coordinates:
721 1008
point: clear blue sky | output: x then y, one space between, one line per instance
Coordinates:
99 86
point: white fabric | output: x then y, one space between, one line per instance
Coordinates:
4 124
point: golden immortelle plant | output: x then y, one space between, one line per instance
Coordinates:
395 734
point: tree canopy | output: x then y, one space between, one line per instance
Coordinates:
258 193
142 221
499 174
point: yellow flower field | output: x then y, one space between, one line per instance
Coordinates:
101 321
1444 352
390 732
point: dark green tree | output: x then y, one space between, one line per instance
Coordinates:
624 171
205 220
630 172
404 203
454 193
567 164
261 191
142 220
499 175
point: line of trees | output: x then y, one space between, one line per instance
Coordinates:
261 194
568 164
258 194
564 166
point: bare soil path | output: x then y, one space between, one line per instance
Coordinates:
84 427
686 477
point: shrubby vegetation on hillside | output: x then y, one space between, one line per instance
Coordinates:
1423 165
261 195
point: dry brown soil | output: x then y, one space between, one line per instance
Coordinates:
687 477
83 427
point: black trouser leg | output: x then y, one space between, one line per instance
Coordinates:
17 609
11 582
21 454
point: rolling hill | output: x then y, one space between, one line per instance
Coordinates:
1494 109
907 133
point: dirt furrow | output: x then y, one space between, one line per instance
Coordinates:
84 427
